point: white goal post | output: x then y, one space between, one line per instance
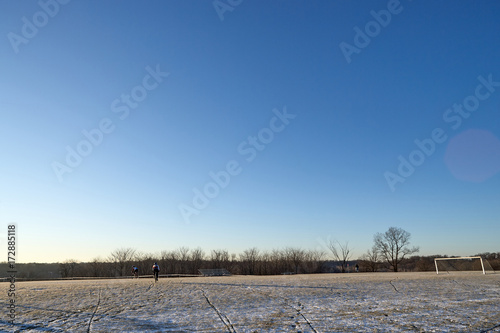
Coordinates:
458 258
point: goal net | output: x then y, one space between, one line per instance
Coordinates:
458 264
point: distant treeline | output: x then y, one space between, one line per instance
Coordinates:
250 262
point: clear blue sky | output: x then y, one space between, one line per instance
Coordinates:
313 106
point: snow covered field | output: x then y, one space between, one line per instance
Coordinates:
380 302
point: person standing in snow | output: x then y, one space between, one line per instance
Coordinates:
156 271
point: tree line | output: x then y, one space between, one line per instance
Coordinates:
391 251
188 261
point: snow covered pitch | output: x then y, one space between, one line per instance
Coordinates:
379 302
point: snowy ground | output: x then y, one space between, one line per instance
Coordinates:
381 302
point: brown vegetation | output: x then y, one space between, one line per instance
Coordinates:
389 253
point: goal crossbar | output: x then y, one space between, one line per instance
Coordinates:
457 258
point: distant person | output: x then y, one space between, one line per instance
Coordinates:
156 271
135 271
357 268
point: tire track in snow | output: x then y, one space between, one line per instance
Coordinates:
392 284
95 310
462 317
150 286
301 307
490 329
225 320
288 303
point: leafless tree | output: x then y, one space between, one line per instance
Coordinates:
97 267
264 266
219 258
197 257
278 262
183 253
143 261
183 257
342 253
393 246
67 268
371 259
169 262
249 260
121 258
295 257
313 260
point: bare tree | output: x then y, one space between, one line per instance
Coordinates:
393 246
183 256
169 261
371 259
67 268
97 267
219 258
264 266
249 260
342 253
143 261
197 256
278 261
121 258
295 256
313 260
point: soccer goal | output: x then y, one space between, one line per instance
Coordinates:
462 264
